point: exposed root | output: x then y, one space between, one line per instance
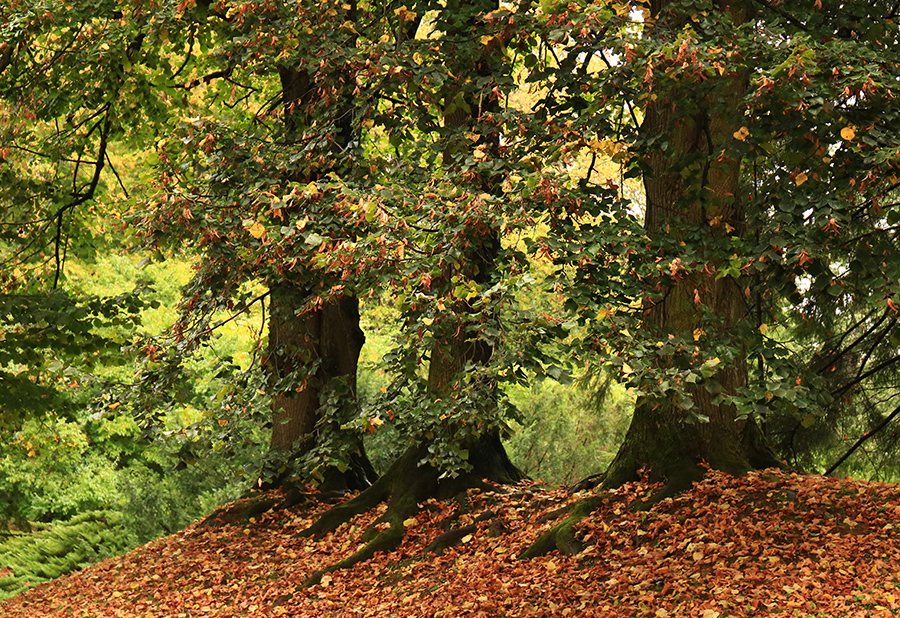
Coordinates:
385 540
562 536
404 486
254 504
455 536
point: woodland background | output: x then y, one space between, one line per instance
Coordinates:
542 218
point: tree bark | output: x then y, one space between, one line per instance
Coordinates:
664 439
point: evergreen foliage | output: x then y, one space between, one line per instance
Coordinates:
51 550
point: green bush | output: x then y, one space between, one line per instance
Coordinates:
564 436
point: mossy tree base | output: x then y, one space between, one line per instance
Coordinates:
661 446
404 486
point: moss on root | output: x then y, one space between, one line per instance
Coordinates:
404 486
562 536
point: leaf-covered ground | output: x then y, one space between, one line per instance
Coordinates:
769 544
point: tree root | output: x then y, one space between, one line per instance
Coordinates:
455 536
404 486
562 536
385 540
253 504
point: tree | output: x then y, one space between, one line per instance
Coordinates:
59 134
690 123
745 130
445 205
244 190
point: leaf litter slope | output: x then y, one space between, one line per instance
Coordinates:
770 543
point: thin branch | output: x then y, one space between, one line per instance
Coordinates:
80 197
842 389
862 440
209 330
831 360
878 339
116 174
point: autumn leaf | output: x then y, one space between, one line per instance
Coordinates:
256 229
227 569
742 134
848 133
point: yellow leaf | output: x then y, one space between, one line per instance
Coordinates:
467 538
368 123
848 133
313 189
763 328
801 178
741 134
550 565
408 523
257 229
404 13
698 332
486 39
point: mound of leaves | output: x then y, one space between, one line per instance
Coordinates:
767 544
51 550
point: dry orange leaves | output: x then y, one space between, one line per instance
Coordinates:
770 543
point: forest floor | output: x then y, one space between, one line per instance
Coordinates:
767 544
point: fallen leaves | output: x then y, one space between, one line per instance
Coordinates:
768 543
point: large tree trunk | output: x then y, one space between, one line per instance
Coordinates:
316 350
310 354
462 347
665 439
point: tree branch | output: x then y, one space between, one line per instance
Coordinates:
860 442
79 197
